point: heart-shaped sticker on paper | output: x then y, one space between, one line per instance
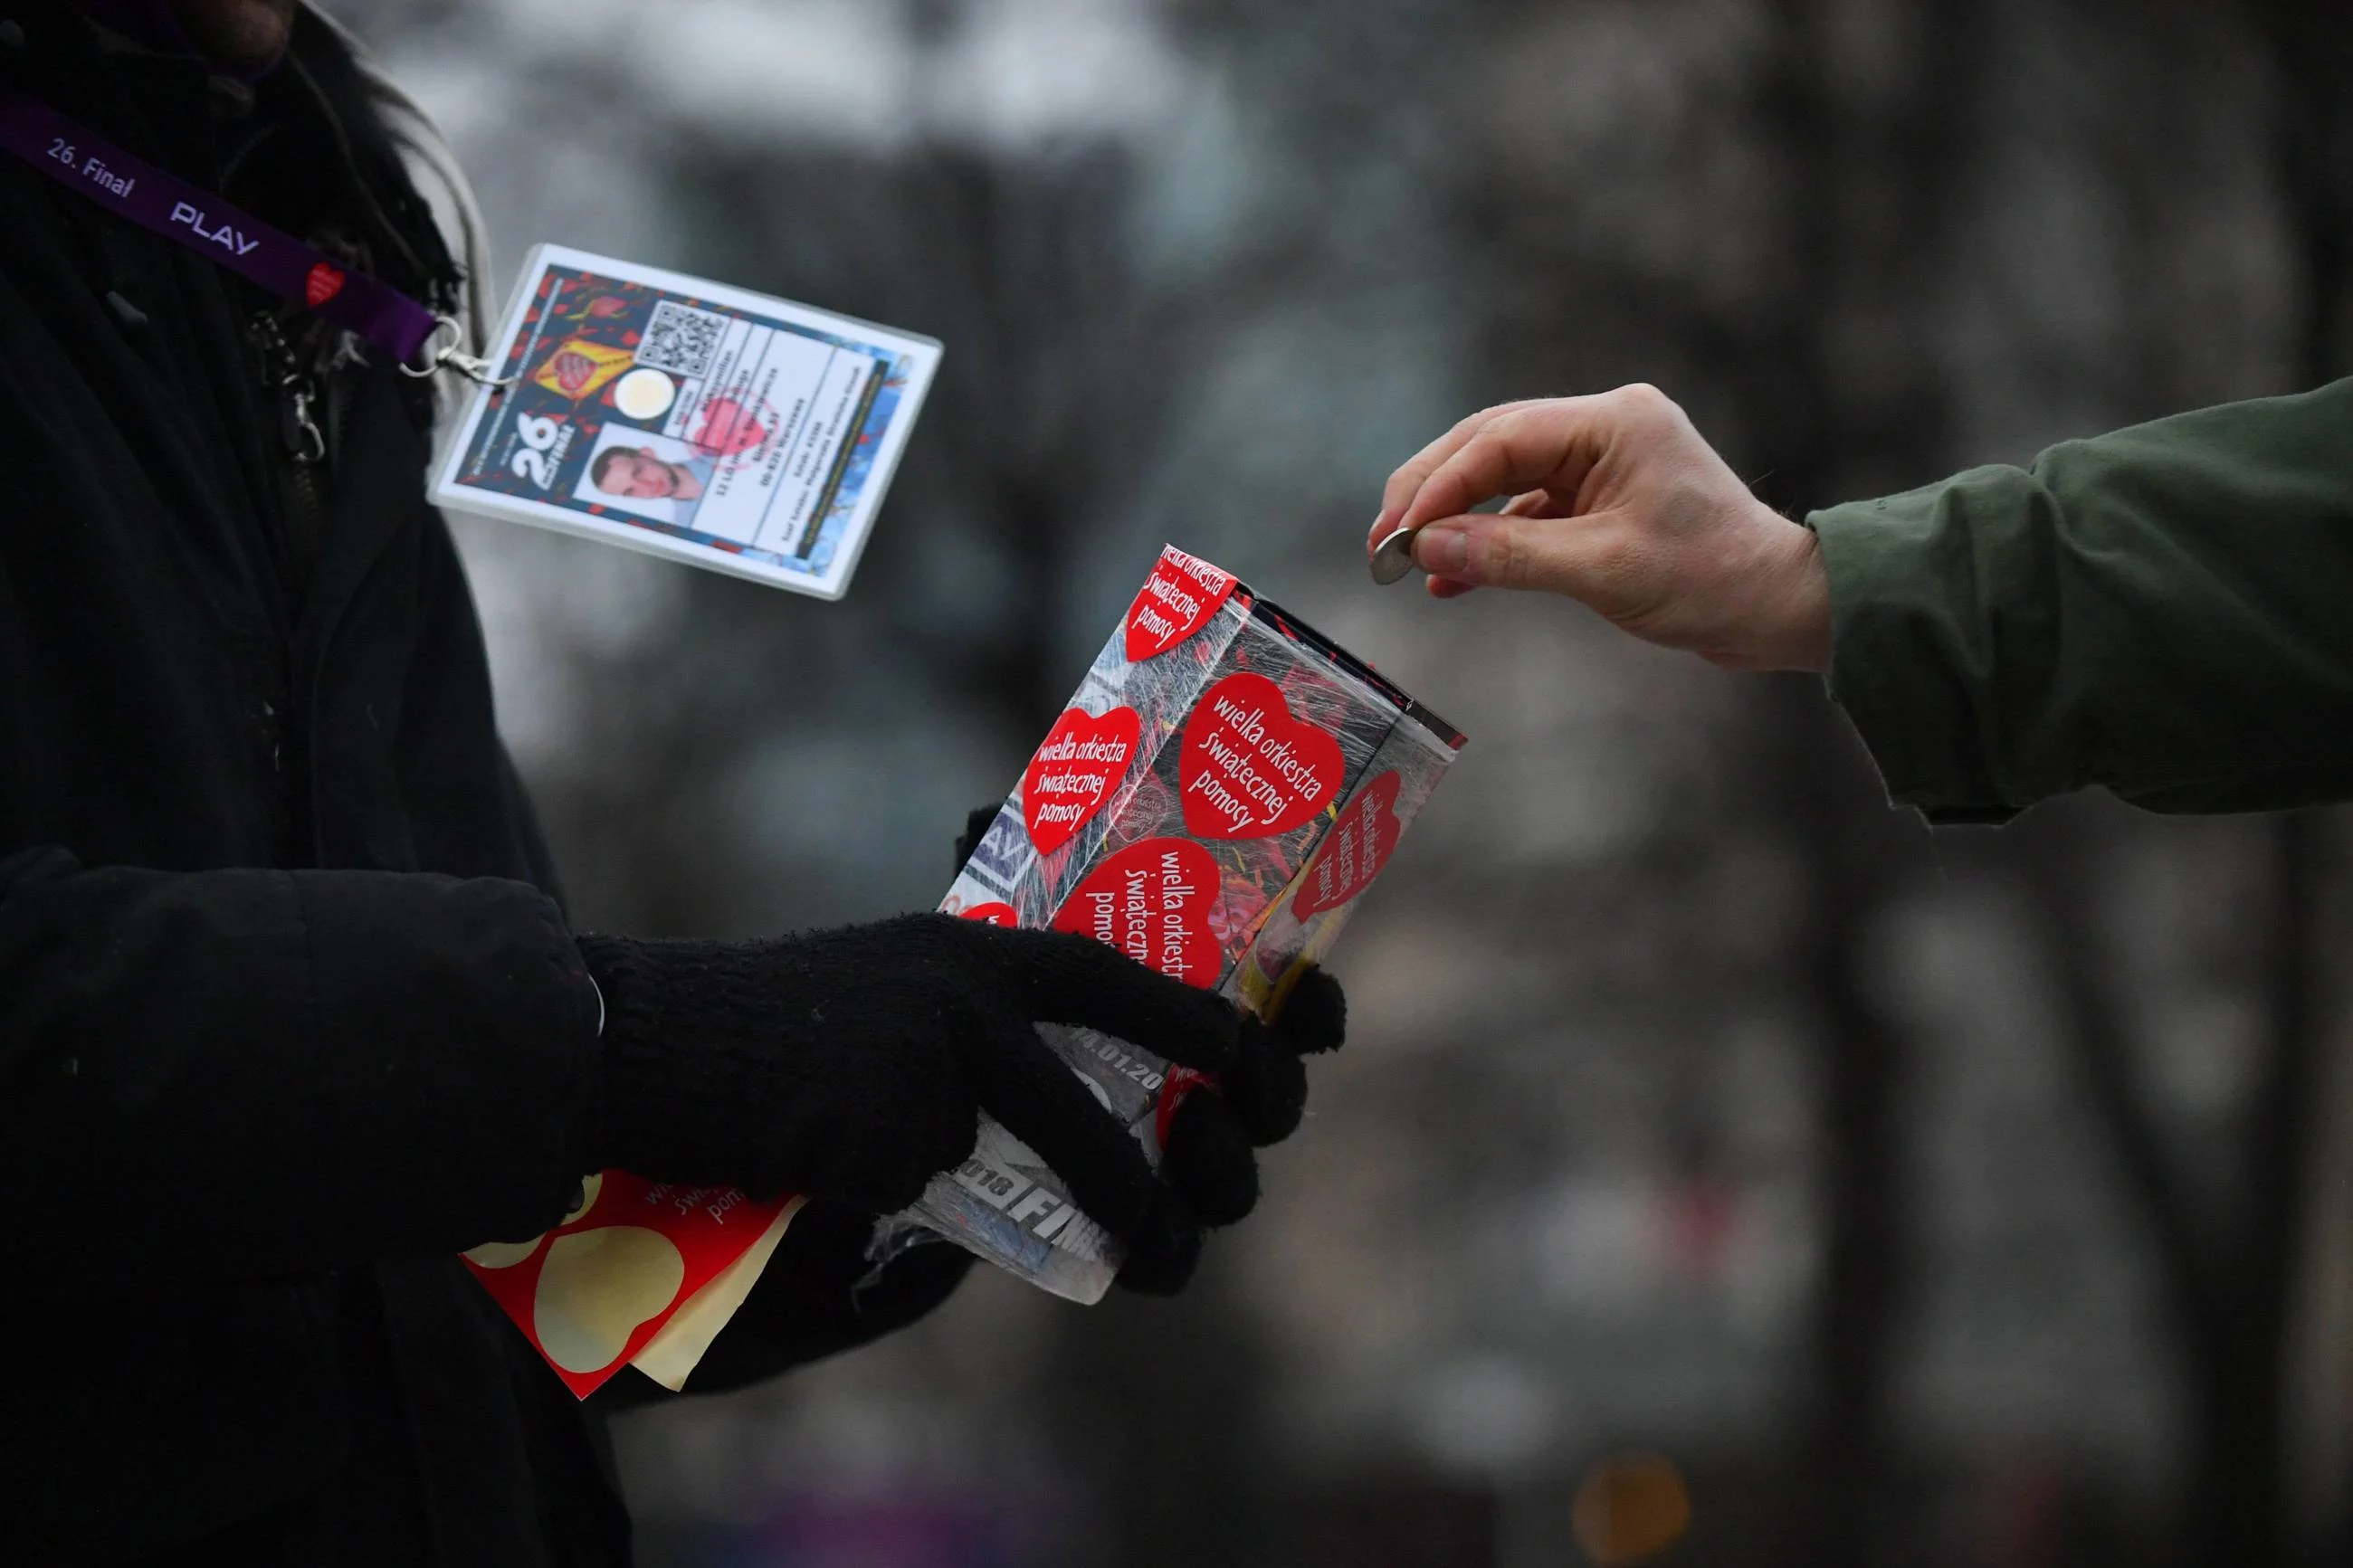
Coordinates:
1072 774
1354 852
1152 901
996 914
598 1287
1175 602
1249 768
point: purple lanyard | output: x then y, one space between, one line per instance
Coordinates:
210 226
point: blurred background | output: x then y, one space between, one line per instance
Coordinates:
1724 1168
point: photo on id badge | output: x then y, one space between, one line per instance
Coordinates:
672 415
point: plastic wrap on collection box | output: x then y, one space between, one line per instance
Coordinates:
1224 786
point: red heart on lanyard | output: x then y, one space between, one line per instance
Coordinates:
1072 774
1354 852
1175 602
1152 901
325 282
1250 769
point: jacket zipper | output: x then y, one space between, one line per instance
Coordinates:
304 447
303 442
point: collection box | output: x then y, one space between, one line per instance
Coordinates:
1223 789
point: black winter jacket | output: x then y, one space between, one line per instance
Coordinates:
289 1013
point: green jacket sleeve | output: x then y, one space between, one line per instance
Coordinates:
2165 611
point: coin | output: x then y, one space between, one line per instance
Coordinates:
1393 556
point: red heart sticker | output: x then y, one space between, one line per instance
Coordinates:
1355 850
996 914
1175 601
1248 768
325 282
1072 774
729 428
1152 901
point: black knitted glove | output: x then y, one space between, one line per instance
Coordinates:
851 1065
1206 1156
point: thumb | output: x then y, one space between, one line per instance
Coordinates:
1570 555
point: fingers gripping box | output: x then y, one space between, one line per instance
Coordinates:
1222 790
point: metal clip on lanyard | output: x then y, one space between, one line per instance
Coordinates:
419 340
450 356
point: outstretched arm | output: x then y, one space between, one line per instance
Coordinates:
2159 610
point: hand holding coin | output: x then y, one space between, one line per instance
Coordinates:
1618 503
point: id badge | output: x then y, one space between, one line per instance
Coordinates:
734 431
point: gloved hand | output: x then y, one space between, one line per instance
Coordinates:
1206 1153
852 1064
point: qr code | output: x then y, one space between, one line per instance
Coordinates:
681 338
